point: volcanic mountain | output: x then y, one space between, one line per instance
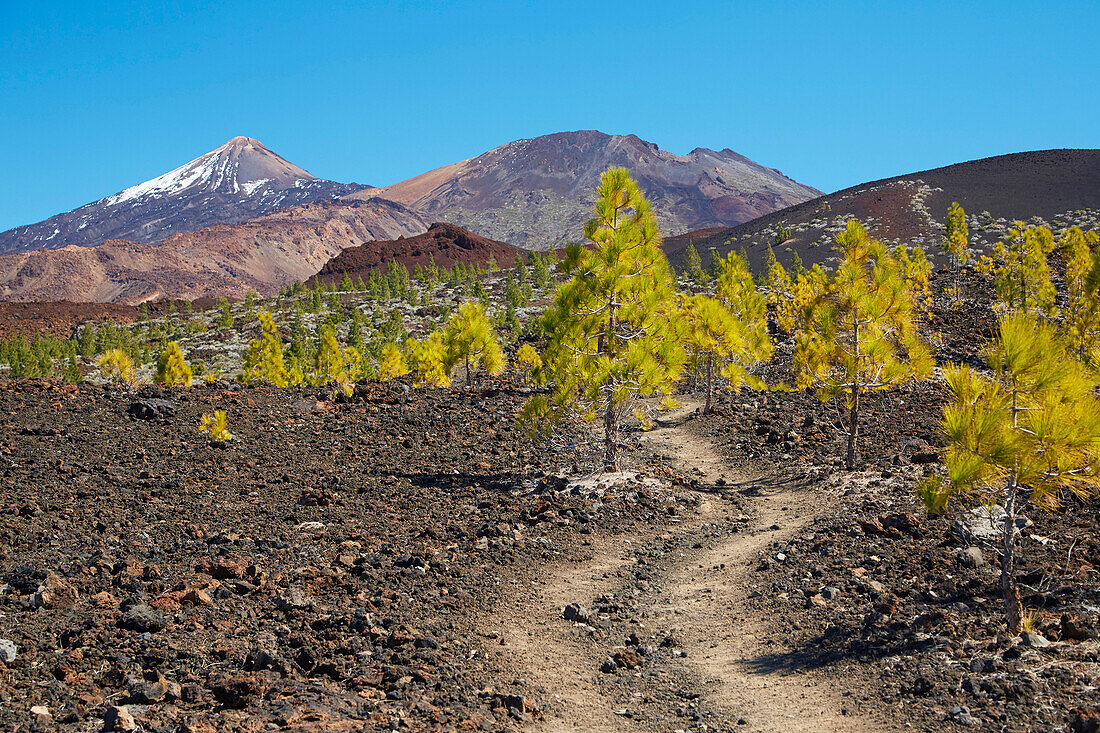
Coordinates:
538 193
237 181
225 260
1056 187
445 244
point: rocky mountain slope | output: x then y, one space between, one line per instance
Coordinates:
538 193
260 254
445 244
1057 187
236 181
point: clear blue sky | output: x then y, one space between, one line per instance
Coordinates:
95 97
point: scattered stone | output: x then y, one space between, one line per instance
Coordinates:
970 557
627 659
576 613
198 597
961 715
142 619
152 409
1074 629
55 594
1034 639
293 599
118 718
8 651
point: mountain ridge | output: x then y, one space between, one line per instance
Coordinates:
236 181
537 192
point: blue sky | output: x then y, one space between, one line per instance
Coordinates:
95 97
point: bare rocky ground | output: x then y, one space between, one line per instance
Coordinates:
407 559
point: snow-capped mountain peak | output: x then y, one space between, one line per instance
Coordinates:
242 164
236 181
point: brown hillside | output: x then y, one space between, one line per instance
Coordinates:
1052 186
225 260
446 243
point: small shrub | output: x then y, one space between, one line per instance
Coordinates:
392 363
117 366
783 233
171 367
527 363
216 426
934 494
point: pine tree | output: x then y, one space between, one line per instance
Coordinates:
1020 271
117 366
391 363
331 365
1029 431
917 271
355 330
356 368
540 271
714 264
612 337
781 297
346 285
768 263
264 360
520 268
226 318
71 373
427 359
956 245
1081 314
739 295
783 233
171 366
860 329
471 340
527 363
693 266
797 268
720 344
87 341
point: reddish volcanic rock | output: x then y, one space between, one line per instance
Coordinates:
446 243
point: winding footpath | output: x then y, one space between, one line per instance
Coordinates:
728 652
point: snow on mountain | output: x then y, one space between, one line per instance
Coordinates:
236 181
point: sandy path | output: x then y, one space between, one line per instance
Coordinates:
704 598
708 593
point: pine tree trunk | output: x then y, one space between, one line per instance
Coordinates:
1014 609
853 428
610 419
468 381
611 439
710 383
853 418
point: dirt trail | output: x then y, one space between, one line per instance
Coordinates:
707 599
704 597
544 649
